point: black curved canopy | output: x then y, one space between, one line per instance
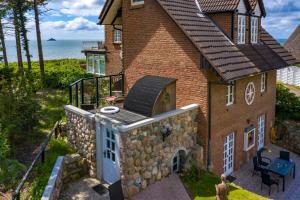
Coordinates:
143 95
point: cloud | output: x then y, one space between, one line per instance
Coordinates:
77 24
81 7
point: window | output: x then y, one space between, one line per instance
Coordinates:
95 64
137 2
254 29
263 80
250 93
241 29
230 93
117 36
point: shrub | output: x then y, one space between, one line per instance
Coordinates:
57 147
288 104
58 73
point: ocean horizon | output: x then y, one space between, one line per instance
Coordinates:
52 50
58 49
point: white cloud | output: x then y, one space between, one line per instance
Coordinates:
81 7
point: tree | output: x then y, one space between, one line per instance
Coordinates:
3 11
2 42
23 7
38 38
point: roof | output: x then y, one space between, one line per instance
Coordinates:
267 39
293 43
142 96
263 57
222 54
124 116
213 6
208 6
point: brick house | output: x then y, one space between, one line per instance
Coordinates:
222 58
104 58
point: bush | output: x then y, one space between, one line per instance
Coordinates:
18 106
288 104
58 73
57 147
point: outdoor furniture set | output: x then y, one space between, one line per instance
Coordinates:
281 166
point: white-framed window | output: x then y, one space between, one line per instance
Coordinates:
137 2
263 81
241 29
230 93
95 64
250 93
117 36
254 30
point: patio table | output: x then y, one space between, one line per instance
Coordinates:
282 168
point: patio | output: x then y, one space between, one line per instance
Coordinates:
292 190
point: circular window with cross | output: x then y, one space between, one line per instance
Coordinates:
250 93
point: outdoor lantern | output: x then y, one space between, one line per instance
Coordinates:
165 131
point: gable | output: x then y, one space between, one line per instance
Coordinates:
257 10
242 7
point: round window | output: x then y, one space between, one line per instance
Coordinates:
250 93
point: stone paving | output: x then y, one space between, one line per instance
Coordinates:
170 188
292 186
82 190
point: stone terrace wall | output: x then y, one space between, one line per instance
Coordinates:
81 132
145 158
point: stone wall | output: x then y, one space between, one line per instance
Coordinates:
146 158
66 169
288 135
81 132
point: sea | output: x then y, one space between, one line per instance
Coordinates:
52 49
56 49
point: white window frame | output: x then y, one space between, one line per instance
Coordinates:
230 93
254 30
117 36
241 29
137 2
263 81
250 91
92 69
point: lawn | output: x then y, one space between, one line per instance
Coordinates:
203 188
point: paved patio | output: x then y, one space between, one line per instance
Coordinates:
170 188
292 186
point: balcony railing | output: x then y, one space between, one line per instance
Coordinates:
93 45
93 91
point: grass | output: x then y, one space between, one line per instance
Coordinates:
203 188
57 147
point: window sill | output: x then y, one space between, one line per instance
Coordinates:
136 6
229 104
118 43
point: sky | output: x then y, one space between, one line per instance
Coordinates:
77 19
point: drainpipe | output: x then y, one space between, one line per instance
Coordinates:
210 83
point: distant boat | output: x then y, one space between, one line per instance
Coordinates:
51 39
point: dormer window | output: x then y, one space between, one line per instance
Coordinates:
241 29
137 2
117 36
254 30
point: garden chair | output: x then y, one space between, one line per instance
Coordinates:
284 155
256 167
267 180
263 161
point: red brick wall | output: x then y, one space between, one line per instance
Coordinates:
224 21
156 46
113 62
235 118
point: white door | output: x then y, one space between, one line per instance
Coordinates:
228 154
261 132
111 171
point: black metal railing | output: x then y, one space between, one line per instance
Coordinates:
94 90
40 156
